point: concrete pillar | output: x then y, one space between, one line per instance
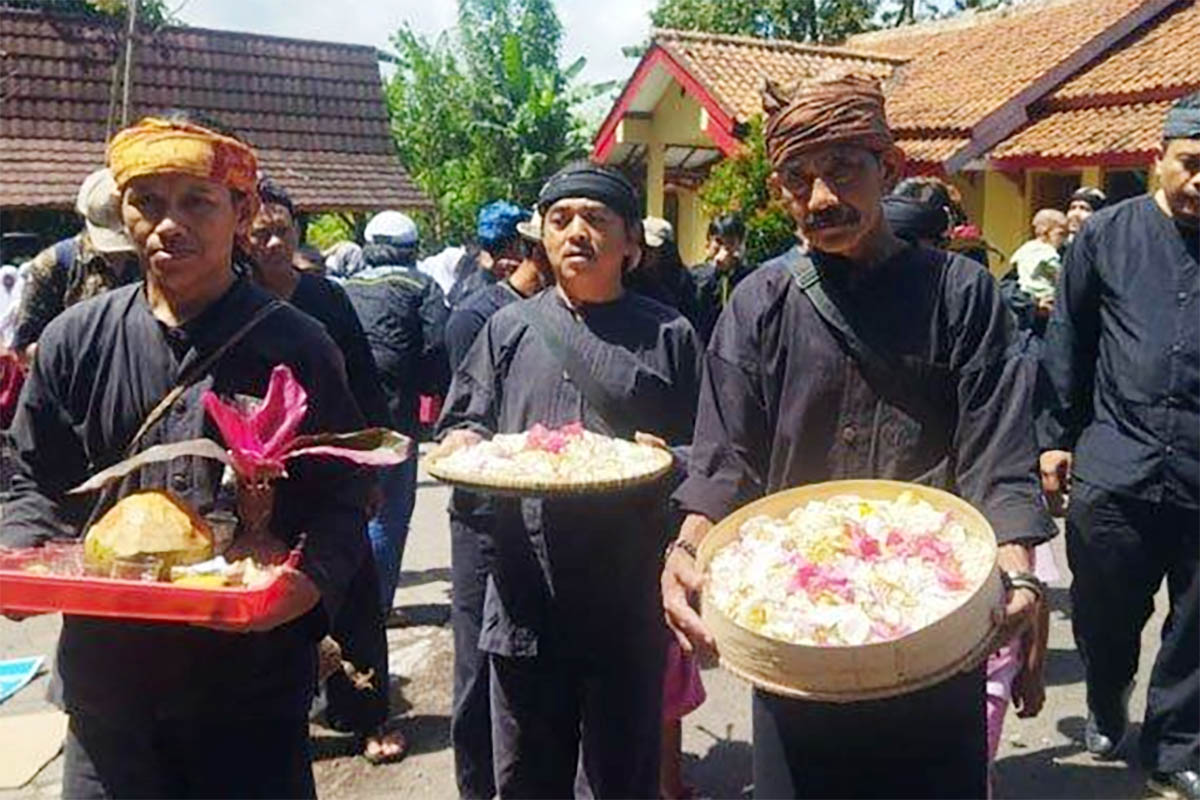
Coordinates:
656 177
1092 176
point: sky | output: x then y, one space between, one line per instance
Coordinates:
595 29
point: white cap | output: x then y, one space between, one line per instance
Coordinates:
531 228
100 206
657 231
391 227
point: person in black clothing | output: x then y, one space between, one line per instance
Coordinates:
495 253
358 629
1122 426
785 403
470 516
403 314
159 709
572 624
726 268
1085 201
662 274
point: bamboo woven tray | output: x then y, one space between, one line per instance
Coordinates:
918 660
500 485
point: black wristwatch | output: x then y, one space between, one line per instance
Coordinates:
683 545
1024 580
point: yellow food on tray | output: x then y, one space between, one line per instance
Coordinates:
152 523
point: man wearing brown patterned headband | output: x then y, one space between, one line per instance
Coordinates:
863 356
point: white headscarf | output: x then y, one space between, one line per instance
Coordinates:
12 283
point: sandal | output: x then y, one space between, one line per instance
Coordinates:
384 746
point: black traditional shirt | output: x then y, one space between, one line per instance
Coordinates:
714 287
468 319
100 369
577 575
783 404
1122 355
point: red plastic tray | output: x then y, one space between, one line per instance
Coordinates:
30 593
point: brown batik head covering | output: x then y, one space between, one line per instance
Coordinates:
844 110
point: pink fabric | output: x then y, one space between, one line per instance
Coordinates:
1005 663
683 690
1002 669
429 410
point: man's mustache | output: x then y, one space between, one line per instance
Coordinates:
835 217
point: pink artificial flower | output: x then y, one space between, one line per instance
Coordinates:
261 439
862 544
257 439
540 437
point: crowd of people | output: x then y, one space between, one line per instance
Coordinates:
878 346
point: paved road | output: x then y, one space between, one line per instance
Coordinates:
1039 758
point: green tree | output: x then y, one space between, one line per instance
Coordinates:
799 20
739 185
486 112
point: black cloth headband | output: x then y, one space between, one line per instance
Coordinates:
602 185
911 219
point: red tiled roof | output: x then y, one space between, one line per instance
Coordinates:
1112 111
957 88
961 72
1160 58
1112 134
313 109
733 67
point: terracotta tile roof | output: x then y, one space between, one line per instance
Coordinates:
1160 58
931 152
315 106
1113 109
732 68
958 74
1083 134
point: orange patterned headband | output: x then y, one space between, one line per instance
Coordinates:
154 146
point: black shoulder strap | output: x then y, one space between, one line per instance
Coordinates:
598 397
196 371
808 279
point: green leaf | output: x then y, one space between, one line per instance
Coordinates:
199 448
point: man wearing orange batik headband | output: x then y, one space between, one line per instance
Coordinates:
170 710
863 356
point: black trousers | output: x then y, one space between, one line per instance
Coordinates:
470 716
229 758
359 629
564 727
1120 549
927 744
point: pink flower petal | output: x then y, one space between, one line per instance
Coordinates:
279 415
236 429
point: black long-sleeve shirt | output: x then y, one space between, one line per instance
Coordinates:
577 575
1122 355
468 319
783 403
99 370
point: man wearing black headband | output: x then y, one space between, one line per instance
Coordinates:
572 620
1122 355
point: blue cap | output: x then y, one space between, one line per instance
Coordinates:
498 222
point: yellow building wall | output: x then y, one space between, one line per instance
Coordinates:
1005 219
692 231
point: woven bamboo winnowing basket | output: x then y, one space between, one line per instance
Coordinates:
923 658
